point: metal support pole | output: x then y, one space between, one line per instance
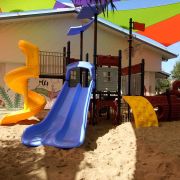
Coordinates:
81 46
119 87
130 55
68 52
81 54
86 76
94 61
68 56
64 63
142 77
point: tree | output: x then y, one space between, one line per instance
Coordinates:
175 73
162 85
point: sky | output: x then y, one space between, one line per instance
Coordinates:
168 66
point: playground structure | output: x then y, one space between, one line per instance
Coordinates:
107 86
65 124
168 103
143 112
109 72
17 80
52 65
110 63
102 96
112 84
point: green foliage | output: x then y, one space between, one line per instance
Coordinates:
175 73
17 100
10 104
162 85
6 98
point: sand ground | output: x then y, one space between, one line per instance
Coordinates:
109 153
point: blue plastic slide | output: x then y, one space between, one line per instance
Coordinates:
65 125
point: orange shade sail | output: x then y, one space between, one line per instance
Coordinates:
166 32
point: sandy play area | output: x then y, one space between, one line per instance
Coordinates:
109 152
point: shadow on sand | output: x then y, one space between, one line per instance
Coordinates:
21 162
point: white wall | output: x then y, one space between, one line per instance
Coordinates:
153 59
150 83
49 33
2 72
6 67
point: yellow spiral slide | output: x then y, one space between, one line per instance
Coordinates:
17 80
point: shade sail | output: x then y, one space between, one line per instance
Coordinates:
30 5
88 2
161 18
90 11
78 29
139 4
62 5
167 32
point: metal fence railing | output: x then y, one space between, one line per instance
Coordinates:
52 64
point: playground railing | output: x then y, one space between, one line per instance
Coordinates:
52 64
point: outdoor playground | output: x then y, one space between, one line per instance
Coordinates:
136 138
135 148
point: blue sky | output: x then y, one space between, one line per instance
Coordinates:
168 66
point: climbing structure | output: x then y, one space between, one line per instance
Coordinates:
143 112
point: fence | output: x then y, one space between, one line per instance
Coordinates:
52 64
